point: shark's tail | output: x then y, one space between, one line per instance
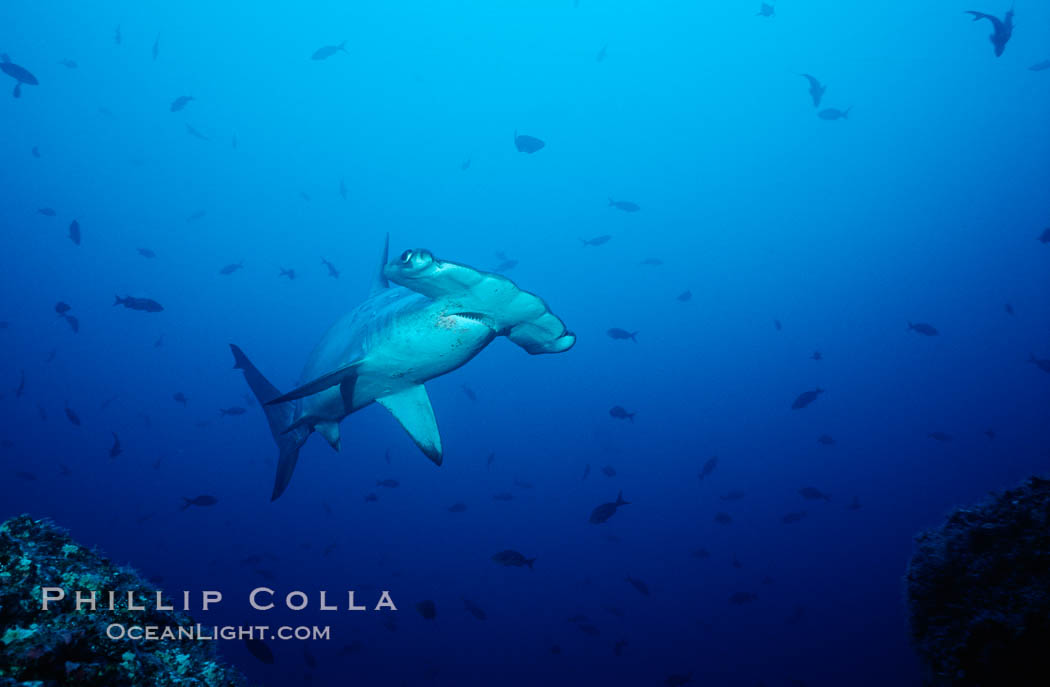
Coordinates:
186 503
529 562
620 501
279 416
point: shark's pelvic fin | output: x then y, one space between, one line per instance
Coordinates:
344 374
412 409
330 432
380 282
279 416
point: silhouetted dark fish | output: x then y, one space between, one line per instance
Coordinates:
741 598
457 508
922 328
605 511
42 412
490 459
474 609
468 392
625 205
1045 236
388 483
117 36
46 212
1040 66
116 449
723 518
709 467
231 268
523 484
332 271
816 89
609 471
588 629
734 495
1043 365
20 74
68 63
180 398
620 413
74 323
813 494
586 471
652 262
700 553
503 496
258 649
940 436
465 165
817 355
854 504
143 304
35 151
62 308
146 253
21 389
196 134
1001 29
805 398
181 102
792 518
597 240
197 215
684 296
74 232
678 679
777 325
72 416
326 51
642 587
108 402
290 273
27 476
825 440
202 500
600 57
155 51
831 114
765 10
511 558
736 563
621 334
371 496
618 647
990 433
1009 309
527 144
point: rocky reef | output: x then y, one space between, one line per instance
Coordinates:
62 646
978 592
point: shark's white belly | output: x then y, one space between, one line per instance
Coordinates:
404 339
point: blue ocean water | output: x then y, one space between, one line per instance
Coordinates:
792 234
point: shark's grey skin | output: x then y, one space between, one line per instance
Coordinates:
1001 29
435 317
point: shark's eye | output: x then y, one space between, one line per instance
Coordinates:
406 257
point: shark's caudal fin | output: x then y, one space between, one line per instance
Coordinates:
279 416
620 501
412 409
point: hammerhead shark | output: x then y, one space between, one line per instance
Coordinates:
434 317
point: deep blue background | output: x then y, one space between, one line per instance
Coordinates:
924 205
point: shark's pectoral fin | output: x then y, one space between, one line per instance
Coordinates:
330 432
412 409
340 376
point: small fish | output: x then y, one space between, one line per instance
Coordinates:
198 215
181 102
700 553
118 38
196 134
20 74
605 511
457 508
465 165
600 57
816 89
42 412
734 495
74 232
342 188
523 484
510 557
831 114
27 476
35 151
1040 66
503 496
620 413
642 587
597 240
231 268
609 471
72 416
116 449
940 436
290 273
624 205
147 253
805 398
792 518
180 398
922 328
621 334
258 649
1009 309
46 212
202 500
388 483
825 440
474 609
588 629
741 598
817 355
332 271
684 296
468 392
586 471
68 63
326 51
1043 365
990 433
232 410
73 322
156 47
678 679
854 504
777 325
490 460
813 494
159 342
766 10
143 304
618 647
1045 236
723 519
304 195
370 497
652 262
21 389
527 144
1002 29
64 470
709 467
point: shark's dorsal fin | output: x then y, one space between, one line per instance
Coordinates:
380 282
411 407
